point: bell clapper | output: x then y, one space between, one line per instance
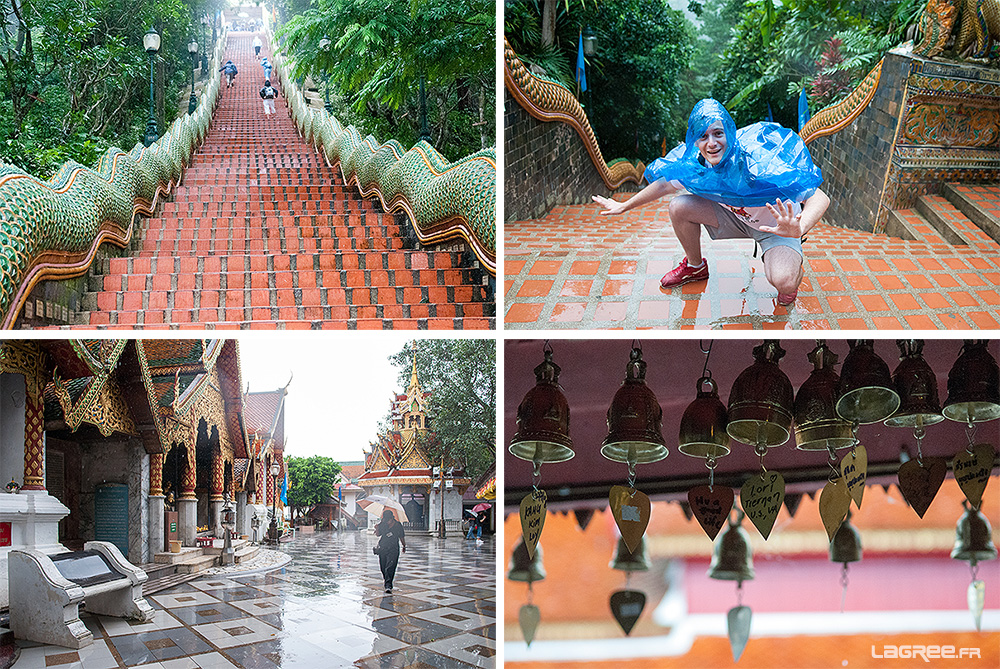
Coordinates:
710 462
843 586
834 471
919 433
632 461
970 433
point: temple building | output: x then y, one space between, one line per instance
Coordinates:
400 467
100 438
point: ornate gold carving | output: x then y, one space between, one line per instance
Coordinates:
835 117
156 473
935 26
34 424
951 125
20 357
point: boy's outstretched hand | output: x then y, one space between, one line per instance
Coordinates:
611 207
787 223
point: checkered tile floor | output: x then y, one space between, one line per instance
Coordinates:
326 608
575 269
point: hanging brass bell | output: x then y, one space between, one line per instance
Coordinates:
973 385
732 557
916 385
634 419
624 560
761 401
543 418
866 394
846 544
522 567
973 537
817 425
703 425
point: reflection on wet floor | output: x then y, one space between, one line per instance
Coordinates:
575 269
326 608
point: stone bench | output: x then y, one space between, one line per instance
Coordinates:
46 592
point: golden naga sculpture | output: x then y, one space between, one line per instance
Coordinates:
978 33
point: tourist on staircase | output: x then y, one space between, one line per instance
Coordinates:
756 183
256 46
230 71
268 93
267 67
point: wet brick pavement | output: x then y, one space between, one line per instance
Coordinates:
324 609
575 269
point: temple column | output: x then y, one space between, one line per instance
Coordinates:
215 499
242 517
187 503
156 504
34 444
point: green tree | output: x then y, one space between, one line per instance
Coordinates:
461 377
633 80
379 53
310 481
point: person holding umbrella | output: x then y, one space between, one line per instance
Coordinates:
391 535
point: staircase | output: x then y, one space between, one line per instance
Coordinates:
963 215
262 233
170 569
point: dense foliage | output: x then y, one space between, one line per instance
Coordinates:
653 64
74 78
378 54
461 376
634 87
777 48
310 480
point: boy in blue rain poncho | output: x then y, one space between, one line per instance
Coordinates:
758 183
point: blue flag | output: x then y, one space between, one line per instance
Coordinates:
770 116
803 109
581 67
284 489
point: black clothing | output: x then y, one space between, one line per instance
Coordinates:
268 93
388 549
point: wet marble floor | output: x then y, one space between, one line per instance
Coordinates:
326 608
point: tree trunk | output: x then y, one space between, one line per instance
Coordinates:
549 23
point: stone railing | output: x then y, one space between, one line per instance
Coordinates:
52 229
547 100
444 200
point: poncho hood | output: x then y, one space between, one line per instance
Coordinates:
762 162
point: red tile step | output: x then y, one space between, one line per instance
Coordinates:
262 233
980 203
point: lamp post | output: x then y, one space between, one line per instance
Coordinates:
589 49
441 529
228 523
204 53
151 41
273 529
193 51
425 133
324 45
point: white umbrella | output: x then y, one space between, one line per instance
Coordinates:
377 504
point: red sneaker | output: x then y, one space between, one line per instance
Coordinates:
683 274
787 299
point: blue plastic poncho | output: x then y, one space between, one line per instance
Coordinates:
765 162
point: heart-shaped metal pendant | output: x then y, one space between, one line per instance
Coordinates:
761 498
711 507
920 483
738 624
834 503
532 519
854 470
972 471
631 511
529 616
627 606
